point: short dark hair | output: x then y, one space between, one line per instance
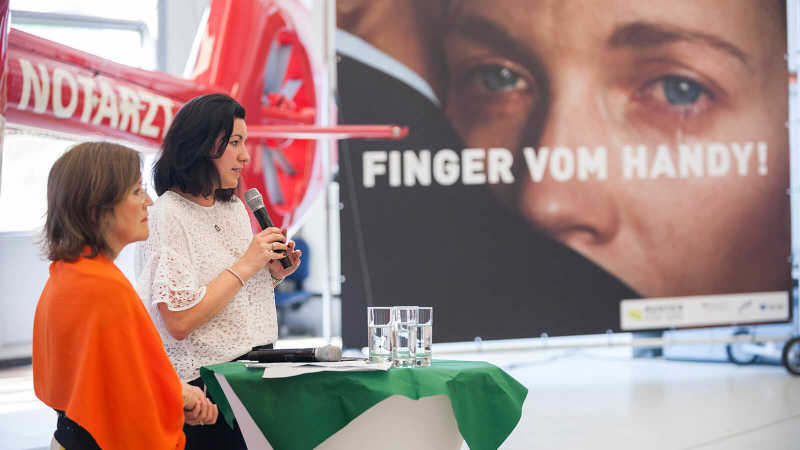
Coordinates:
84 185
192 143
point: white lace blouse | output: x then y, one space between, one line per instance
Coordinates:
189 246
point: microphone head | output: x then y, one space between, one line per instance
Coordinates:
328 353
253 199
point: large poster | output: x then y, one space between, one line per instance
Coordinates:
564 156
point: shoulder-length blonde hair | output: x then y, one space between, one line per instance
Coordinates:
84 185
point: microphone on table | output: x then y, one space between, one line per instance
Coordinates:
327 353
255 202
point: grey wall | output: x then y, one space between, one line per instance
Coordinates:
23 273
177 26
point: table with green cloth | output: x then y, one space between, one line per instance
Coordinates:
301 412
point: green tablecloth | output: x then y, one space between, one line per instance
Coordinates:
301 412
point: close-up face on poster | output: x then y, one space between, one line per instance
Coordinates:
649 138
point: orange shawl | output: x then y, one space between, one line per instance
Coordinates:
98 357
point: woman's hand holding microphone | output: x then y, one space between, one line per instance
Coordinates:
267 248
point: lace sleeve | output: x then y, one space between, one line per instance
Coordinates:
167 273
175 282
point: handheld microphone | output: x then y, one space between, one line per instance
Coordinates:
255 202
323 354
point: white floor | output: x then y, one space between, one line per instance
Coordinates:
577 399
600 399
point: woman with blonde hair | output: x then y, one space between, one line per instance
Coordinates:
97 358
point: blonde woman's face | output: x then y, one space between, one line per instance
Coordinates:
127 222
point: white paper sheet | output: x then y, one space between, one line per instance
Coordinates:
292 369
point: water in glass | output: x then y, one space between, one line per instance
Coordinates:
404 349
379 343
424 343
379 327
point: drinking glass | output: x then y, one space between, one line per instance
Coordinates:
379 322
424 335
404 335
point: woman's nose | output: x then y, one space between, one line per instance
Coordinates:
244 155
578 210
577 213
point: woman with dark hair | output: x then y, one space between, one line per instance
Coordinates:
96 353
207 280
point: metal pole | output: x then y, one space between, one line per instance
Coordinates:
327 109
792 60
612 341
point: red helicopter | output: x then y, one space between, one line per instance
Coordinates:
279 79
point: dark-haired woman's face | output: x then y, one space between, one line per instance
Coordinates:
230 164
570 73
